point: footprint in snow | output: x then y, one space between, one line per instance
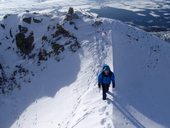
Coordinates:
102 109
107 113
103 121
109 126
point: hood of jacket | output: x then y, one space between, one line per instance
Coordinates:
106 67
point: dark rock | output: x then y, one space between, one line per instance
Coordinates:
9 82
44 38
13 40
42 55
61 31
75 27
27 11
8 48
57 48
11 33
1 67
50 28
74 47
71 15
3 26
27 20
32 56
97 23
37 20
22 29
25 44
71 11
129 35
6 16
3 79
21 70
35 13
71 23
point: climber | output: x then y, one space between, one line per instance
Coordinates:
104 80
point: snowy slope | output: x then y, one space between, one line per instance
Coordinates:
61 94
141 64
65 95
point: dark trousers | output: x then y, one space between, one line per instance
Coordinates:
105 89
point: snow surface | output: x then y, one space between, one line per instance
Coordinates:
17 6
65 95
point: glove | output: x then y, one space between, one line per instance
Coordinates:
99 85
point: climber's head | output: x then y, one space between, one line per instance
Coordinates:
106 69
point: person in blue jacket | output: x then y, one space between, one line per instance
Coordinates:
104 80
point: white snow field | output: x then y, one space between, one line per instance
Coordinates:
17 6
65 94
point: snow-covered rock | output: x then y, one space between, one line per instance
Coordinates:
31 37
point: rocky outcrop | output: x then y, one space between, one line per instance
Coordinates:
37 20
57 48
22 29
25 44
6 16
71 15
61 31
9 82
27 20
30 44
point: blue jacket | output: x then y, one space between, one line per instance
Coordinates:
106 79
